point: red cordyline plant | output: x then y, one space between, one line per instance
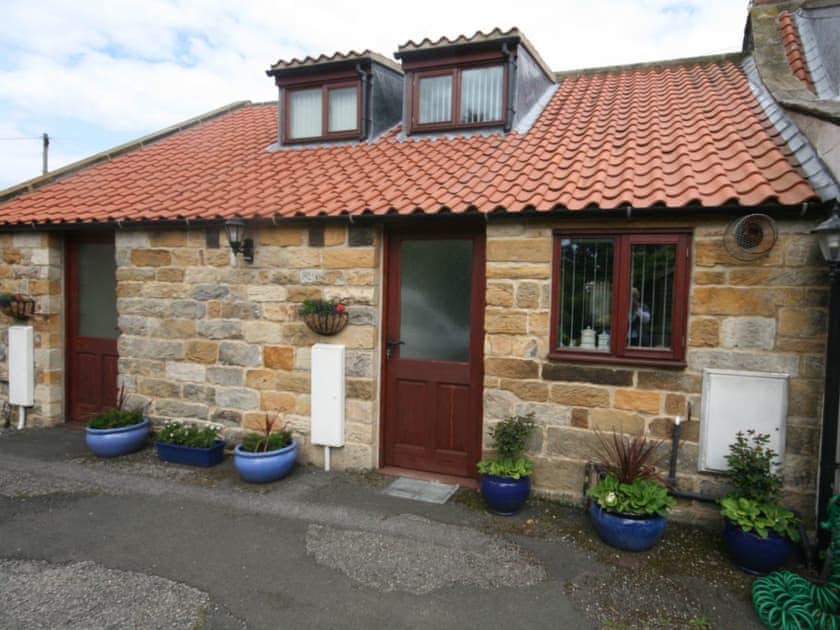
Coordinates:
268 439
629 457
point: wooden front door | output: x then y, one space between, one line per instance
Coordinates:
433 342
91 325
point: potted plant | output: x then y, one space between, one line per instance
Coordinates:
117 431
324 317
629 502
190 444
759 532
506 478
265 456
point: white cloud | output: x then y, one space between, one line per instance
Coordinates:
137 65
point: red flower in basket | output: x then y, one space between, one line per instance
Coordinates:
339 308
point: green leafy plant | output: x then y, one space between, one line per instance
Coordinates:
117 417
640 497
188 435
268 439
322 307
760 517
630 483
509 437
751 467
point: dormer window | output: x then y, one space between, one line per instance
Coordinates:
484 81
308 118
344 97
459 97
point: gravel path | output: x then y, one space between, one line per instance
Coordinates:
85 595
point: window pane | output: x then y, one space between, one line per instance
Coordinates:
435 296
435 99
585 298
97 291
342 112
651 296
481 94
305 113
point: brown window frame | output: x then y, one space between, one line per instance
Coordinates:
455 72
620 352
326 134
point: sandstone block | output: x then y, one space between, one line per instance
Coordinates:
199 393
239 353
501 321
180 409
704 332
580 418
536 391
519 250
187 309
228 418
675 405
616 420
186 372
709 277
158 388
528 295
279 357
281 236
261 331
293 382
220 329
141 347
586 374
335 234
750 361
345 258
169 274
498 404
231 376
559 476
513 368
732 301
749 332
359 364
519 270
204 292
167 238
669 381
260 378
299 294
201 351
580 395
360 389
237 398
802 322
173 328
637 400
150 258
274 401
499 294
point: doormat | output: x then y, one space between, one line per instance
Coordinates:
420 490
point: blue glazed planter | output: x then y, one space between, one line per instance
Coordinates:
191 455
265 467
754 554
115 442
630 534
505 495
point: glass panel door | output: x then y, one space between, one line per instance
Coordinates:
97 291
435 294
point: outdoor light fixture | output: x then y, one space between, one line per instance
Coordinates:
828 233
239 245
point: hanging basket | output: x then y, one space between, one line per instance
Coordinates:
326 323
19 309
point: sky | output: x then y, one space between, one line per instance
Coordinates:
95 74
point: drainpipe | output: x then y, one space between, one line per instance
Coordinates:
365 118
511 86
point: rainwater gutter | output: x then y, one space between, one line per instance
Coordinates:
511 86
365 117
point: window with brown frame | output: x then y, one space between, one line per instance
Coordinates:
322 112
458 97
620 297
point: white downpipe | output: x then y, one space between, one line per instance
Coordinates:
21 416
327 458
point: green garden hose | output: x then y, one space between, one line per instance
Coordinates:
786 601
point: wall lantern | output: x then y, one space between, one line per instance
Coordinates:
828 233
239 245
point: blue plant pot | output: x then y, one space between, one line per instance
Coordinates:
505 495
115 442
265 467
191 455
754 554
628 533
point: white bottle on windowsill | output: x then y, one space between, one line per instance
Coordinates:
587 339
604 341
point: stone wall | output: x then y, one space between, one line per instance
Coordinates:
768 315
206 337
31 263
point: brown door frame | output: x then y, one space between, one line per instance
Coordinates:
421 229
71 308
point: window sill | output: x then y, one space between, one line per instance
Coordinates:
593 357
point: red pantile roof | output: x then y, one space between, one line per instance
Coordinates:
793 50
668 135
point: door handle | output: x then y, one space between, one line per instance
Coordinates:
390 344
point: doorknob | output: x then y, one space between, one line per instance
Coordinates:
390 344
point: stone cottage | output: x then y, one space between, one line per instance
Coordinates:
508 240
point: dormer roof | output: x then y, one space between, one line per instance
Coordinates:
328 61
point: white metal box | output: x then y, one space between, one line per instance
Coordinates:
21 366
327 402
738 401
